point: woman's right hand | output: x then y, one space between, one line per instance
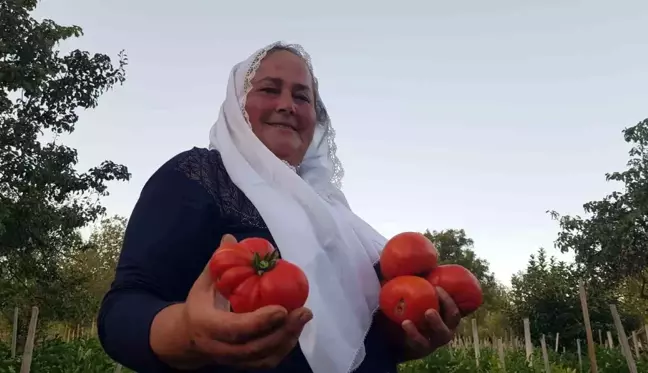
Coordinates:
214 335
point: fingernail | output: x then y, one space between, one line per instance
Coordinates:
305 316
429 314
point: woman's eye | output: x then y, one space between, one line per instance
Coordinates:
277 91
302 98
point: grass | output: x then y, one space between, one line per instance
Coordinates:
87 356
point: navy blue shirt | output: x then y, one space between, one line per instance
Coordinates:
182 213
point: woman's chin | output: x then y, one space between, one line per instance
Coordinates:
288 151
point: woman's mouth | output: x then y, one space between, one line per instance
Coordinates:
282 125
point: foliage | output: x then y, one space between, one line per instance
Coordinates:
547 294
628 291
57 356
463 361
44 200
89 273
95 266
456 247
611 244
86 356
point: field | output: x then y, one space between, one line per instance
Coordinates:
57 356
86 356
462 360
60 241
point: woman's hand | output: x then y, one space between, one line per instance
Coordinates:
214 335
439 330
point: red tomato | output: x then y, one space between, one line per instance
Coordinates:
460 284
408 254
407 298
250 276
257 245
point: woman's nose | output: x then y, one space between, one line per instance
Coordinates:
286 103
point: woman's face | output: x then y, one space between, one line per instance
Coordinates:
281 105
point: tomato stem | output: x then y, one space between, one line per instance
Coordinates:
400 307
265 264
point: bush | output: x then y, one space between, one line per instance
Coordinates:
57 356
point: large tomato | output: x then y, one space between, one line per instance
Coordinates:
460 284
407 298
257 245
408 254
251 275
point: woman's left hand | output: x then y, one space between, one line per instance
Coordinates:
439 330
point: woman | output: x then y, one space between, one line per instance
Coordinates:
270 171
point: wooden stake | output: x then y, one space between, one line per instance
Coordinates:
527 340
545 355
621 344
500 352
28 353
475 340
580 359
624 340
588 328
14 333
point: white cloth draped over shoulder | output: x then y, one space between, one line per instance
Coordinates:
311 222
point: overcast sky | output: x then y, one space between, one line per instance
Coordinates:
467 114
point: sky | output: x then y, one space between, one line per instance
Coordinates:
467 114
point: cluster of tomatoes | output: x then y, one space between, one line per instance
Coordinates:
410 275
251 275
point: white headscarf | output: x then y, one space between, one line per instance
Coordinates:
311 222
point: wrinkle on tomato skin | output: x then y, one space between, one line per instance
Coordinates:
286 285
223 263
228 257
232 278
222 260
245 297
257 245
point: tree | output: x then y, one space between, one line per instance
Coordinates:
85 275
547 294
95 266
611 244
44 200
457 248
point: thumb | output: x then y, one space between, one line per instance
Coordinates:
205 280
228 238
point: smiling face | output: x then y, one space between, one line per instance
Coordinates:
281 105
